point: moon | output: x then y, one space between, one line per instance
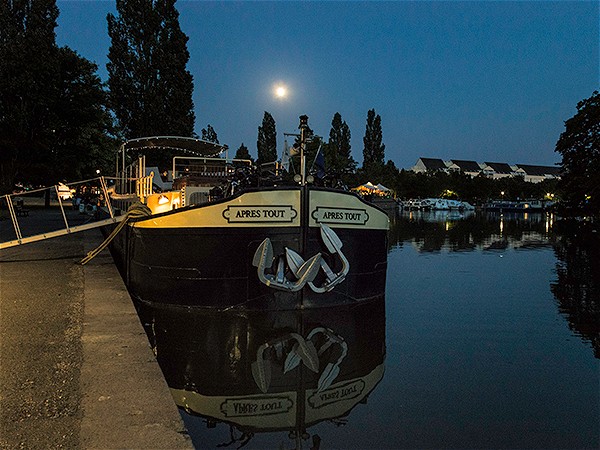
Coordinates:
281 91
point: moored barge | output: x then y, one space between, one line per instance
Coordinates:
223 237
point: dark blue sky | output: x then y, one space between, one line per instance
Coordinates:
489 81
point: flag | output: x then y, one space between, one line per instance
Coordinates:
285 158
319 163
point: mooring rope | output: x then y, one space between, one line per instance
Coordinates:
135 211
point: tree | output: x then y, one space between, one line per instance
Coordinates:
389 176
338 157
53 119
28 80
243 153
579 146
209 134
150 87
177 83
81 123
266 143
374 149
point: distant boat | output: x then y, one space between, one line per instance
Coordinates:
444 204
437 204
226 236
518 206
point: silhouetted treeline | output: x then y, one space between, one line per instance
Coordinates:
408 184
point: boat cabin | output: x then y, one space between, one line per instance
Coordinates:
200 175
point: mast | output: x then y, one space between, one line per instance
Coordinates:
303 131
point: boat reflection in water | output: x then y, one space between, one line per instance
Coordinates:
268 371
434 231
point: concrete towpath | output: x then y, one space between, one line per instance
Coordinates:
76 369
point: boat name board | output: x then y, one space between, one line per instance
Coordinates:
340 215
344 392
259 213
257 406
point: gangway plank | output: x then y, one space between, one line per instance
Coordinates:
61 232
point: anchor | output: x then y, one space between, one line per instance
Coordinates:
305 272
334 245
332 369
303 350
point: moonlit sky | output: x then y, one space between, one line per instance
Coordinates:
476 80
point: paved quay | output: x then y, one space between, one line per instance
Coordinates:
76 369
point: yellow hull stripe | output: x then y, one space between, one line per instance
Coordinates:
276 209
278 410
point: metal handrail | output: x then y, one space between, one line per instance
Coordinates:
144 187
147 187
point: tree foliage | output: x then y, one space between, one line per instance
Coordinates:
266 143
53 120
374 149
209 134
243 153
579 146
338 156
28 88
150 87
81 124
408 184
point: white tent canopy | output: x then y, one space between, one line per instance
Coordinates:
372 188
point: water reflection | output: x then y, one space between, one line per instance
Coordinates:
576 246
577 286
434 231
244 373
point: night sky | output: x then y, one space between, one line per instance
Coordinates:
487 81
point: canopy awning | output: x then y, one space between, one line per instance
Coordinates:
371 188
191 145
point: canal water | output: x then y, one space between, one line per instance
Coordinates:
488 337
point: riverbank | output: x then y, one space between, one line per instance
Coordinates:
77 370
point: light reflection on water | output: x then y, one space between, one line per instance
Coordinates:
491 341
482 349
458 231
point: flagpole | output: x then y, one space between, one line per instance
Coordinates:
303 126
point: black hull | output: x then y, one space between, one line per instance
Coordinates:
212 266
